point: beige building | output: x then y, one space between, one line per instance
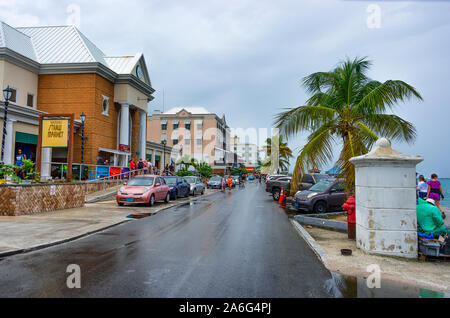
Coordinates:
56 69
195 132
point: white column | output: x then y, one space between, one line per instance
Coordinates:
143 134
386 215
154 158
9 143
124 129
46 166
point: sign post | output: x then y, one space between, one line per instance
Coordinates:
56 131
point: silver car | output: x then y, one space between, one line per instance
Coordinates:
196 184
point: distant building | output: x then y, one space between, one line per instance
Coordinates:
56 69
248 154
195 132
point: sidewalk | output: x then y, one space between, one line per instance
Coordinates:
328 245
27 233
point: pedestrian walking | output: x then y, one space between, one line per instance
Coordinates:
435 192
20 163
422 188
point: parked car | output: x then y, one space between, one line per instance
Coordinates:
236 180
251 177
144 190
326 195
196 185
275 185
178 187
311 179
215 183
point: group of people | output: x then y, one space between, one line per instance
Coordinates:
431 191
430 213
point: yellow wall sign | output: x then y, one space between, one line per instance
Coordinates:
55 133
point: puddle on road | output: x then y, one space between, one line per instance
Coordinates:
341 286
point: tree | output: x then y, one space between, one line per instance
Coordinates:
349 109
204 170
187 161
283 151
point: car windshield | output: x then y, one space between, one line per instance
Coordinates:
190 179
171 181
322 185
141 182
216 179
320 177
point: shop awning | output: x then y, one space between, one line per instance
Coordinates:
26 138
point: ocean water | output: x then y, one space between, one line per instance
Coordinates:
446 188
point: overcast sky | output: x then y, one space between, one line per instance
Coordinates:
246 58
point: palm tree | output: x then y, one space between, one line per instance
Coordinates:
349 109
283 151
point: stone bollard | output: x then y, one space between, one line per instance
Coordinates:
386 215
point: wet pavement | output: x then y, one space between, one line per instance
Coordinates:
226 245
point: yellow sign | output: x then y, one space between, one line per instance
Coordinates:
55 133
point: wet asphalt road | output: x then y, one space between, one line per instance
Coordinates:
225 245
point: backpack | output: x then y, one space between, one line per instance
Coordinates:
140 165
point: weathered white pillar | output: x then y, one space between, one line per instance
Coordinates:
124 129
9 154
386 215
46 164
154 158
143 134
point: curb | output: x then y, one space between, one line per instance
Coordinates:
323 257
71 239
322 223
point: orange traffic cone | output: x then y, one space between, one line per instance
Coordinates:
281 197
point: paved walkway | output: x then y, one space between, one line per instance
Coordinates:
24 233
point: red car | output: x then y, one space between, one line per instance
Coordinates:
145 189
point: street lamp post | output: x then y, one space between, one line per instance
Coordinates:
163 166
7 93
83 119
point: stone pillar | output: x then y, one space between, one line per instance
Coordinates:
9 153
143 134
124 130
45 165
386 215
154 158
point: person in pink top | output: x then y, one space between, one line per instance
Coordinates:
435 192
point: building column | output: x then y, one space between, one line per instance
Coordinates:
124 130
9 154
143 134
154 158
45 164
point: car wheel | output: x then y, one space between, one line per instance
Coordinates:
120 204
167 200
152 200
276 194
320 207
175 196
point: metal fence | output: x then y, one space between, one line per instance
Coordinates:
80 172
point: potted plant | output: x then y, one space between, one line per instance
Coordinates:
8 173
30 172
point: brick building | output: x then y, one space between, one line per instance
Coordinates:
58 70
195 132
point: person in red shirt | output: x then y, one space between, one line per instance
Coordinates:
132 166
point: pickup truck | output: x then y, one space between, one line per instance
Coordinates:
274 186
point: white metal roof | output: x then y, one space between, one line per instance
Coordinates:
123 64
192 110
16 41
63 44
